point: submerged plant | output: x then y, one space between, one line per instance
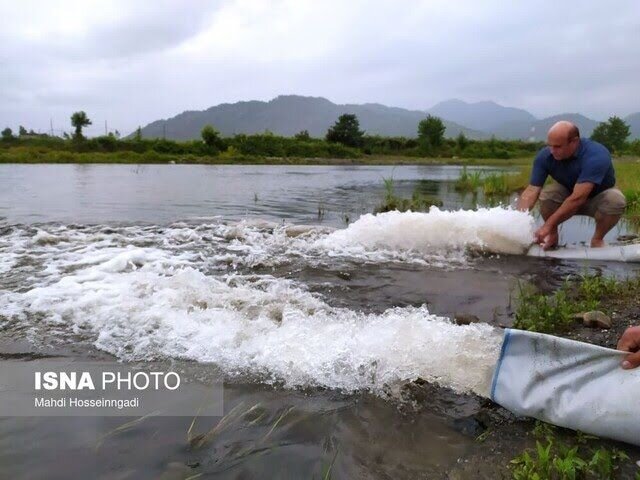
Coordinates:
417 202
468 182
496 184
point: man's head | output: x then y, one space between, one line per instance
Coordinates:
563 140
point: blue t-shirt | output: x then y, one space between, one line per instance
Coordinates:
591 163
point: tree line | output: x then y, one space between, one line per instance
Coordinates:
344 139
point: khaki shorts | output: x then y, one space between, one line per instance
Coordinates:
609 202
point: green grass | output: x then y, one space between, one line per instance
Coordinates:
633 201
418 201
555 459
628 181
30 154
469 182
555 312
490 182
496 184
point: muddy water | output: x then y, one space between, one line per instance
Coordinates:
322 328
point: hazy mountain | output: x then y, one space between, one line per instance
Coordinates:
483 116
289 114
537 129
634 123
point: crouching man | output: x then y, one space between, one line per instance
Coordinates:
585 185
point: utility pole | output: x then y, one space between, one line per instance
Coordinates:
51 125
105 127
164 131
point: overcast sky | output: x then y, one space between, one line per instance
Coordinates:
134 62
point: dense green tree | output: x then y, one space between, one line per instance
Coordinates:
211 137
431 131
137 136
22 130
346 131
461 141
79 120
612 134
7 134
303 135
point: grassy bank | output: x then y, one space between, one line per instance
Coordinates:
270 145
44 155
492 183
556 313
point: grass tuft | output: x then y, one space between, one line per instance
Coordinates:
554 459
556 312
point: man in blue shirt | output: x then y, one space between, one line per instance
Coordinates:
585 185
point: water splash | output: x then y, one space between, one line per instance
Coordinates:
494 230
191 291
143 304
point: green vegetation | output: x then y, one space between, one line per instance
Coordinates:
79 120
431 133
554 459
468 182
303 135
211 138
458 148
7 134
628 180
417 202
496 184
556 312
344 140
612 134
346 131
462 142
491 183
109 149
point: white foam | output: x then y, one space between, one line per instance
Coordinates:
146 292
437 238
495 230
43 237
142 304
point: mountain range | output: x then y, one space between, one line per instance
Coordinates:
289 114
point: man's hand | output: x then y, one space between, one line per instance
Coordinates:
630 342
546 236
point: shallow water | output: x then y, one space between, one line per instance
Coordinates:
329 323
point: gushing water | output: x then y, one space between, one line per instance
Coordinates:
189 291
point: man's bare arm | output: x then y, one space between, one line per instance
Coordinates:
571 205
528 198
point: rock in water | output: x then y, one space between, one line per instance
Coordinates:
465 319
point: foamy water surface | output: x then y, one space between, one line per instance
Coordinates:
199 291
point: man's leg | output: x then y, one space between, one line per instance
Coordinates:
551 198
606 208
604 223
